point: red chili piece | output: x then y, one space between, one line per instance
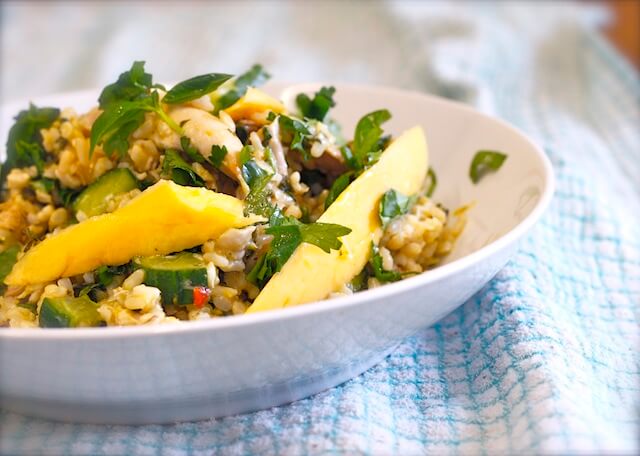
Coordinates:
200 296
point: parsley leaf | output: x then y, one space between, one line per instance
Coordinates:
8 258
393 204
288 233
191 151
295 132
338 187
130 85
433 182
379 272
257 201
175 168
318 107
254 77
24 143
217 155
195 87
253 173
368 142
483 162
245 155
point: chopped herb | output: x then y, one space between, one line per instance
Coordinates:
113 127
257 201
191 151
195 87
45 185
393 204
254 77
296 132
367 145
130 85
66 195
245 155
359 282
104 276
24 144
379 272
483 162
253 173
288 233
8 258
318 106
30 306
433 182
338 187
217 155
178 170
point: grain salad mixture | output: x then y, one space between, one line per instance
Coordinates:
162 205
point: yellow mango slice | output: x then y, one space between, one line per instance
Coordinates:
255 105
165 218
311 274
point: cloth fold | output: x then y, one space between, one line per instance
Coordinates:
544 359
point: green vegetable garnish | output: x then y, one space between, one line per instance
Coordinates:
178 170
288 233
121 118
394 204
296 132
130 85
433 181
483 162
379 272
338 187
252 173
8 258
256 76
368 142
245 155
195 87
257 201
217 155
318 107
192 152
24 144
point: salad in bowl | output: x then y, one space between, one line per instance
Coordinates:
209 199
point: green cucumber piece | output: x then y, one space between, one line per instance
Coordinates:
174 275
69 312
7 259
94 199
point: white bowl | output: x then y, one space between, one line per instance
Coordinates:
238 364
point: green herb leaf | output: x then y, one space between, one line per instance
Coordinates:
338 187
257 201
245 155
318 107
288 234
483 162
253 173
393 204
367 145
193 153
255 77
379 272
217 155
24 143
295 132
178 170
8 258
130 85
195 87
433 182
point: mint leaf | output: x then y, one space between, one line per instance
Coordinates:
24 143
318 107
195 87
174 167
393 204
483 162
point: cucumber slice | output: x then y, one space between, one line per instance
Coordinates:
7 260
69 312
174 275
94 199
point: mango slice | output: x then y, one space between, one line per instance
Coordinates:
255 105
311 274
165 218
